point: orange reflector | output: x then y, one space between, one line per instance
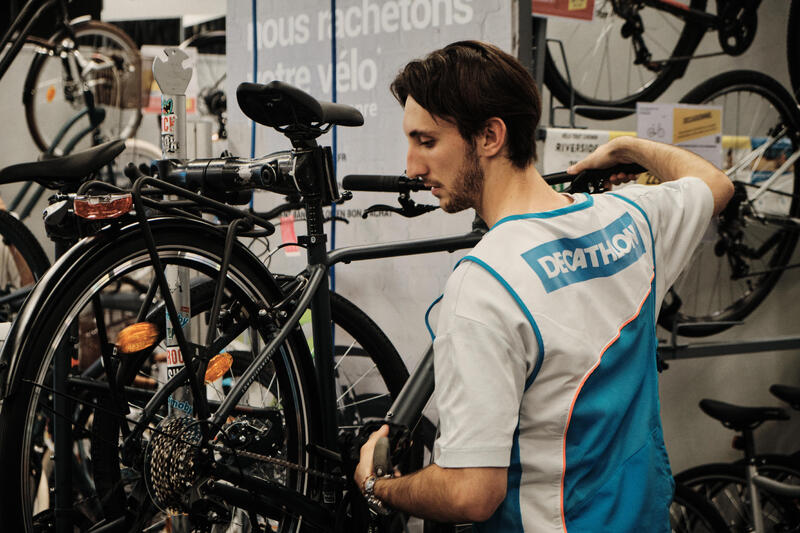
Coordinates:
218 365
103 206
51 93
137 337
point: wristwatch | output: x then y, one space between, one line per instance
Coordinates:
373 502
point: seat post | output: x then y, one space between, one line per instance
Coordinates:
751 471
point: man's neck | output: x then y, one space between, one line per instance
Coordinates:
509 191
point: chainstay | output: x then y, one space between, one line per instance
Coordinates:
281 462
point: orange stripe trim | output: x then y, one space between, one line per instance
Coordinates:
578 392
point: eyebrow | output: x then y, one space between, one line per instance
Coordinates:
419 133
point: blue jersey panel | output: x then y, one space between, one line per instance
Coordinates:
617 474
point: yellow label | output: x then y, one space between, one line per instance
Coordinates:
689 124
577 5
620 133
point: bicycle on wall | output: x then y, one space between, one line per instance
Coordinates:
634 49
268 446
751 243
87 73
83 87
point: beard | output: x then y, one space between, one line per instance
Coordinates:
467 189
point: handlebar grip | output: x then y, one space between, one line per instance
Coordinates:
375 183
370 182
381 458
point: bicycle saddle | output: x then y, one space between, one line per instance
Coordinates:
738 418
279 104
788 394
70 169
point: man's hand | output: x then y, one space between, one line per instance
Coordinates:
606 155
665 161
365 468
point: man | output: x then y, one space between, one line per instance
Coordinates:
545 349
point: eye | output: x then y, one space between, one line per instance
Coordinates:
426 143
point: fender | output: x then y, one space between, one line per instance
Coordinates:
24 329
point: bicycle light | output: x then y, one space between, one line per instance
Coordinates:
100 207
217 366
137 337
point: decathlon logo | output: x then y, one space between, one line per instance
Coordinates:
598 254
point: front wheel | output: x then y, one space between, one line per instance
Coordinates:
159 472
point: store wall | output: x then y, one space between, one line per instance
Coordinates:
692 438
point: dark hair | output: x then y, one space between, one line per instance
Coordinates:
468 82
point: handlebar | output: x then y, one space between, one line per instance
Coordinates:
591 180
588 180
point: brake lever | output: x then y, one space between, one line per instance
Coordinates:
408 209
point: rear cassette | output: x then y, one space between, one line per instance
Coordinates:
172 462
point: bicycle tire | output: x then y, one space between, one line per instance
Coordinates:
22 261
690 512
741 257
116 91
194 245
725 486
793 47
643 89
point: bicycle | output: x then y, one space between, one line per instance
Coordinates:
748 247
86 77
641 47
758 493
87 73
266 413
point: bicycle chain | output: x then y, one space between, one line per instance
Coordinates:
281 462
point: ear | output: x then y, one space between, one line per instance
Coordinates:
492 139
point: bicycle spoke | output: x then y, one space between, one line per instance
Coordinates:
372 399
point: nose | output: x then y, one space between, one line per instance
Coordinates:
414 164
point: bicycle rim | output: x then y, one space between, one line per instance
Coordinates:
110 64
103 487
601 61
742 254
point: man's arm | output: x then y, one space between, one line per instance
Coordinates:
436 493
665 161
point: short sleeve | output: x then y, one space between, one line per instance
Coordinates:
679 213
482 356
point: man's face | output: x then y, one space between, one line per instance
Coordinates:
442 158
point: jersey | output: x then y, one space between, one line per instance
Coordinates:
545 358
